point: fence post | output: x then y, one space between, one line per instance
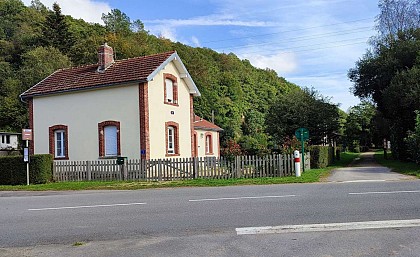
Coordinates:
237 166
159 170
125 171
88 170
195 167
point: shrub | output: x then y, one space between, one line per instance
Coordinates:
13 169
321 156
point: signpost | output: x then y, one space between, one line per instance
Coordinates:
302 134
27 136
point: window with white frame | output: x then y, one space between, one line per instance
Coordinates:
60 143
110 141
171 140
169 91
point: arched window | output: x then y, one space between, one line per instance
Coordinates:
209 143
170 89
58 137
172 138
109 139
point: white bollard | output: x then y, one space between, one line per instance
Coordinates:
297 162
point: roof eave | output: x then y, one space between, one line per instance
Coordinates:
208 129
181 67
22 96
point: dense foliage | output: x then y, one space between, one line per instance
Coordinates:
13 170
36 41
389 73
360 127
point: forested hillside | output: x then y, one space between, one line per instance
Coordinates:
35 41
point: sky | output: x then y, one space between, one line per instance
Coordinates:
312 43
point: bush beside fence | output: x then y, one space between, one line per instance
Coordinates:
13 169
322 156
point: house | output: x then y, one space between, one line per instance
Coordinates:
206 137
137 108
9 141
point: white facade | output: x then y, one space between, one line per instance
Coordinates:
159 113
205 147
81 111
8 141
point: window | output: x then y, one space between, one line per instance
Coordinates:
2 139
59 143
172 138
171 89
110 135
7 139
58 135
209 143
109 139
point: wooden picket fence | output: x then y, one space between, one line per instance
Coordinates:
177 168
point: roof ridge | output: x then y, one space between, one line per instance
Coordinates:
149 55
121 60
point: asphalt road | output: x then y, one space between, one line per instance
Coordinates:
204 221
365 210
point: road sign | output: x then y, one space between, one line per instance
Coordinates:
302 134
26 134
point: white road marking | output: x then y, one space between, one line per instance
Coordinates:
389 192
328 227
86 206
364 181
240 198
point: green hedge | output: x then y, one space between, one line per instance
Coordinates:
13 169
321 156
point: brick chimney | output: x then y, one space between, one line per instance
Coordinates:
105 57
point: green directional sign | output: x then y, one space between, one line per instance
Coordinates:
302 134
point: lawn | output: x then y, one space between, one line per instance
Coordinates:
407 168
310 176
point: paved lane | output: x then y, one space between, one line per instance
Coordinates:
364 170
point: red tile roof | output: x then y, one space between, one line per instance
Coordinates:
200 123
84 77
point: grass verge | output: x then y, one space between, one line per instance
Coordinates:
310 176
407 168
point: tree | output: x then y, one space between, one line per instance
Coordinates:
118 22
39 63
413 141
359 127
396 16
303 108
56 31
388 73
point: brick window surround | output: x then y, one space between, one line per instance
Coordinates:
101 136
209 136
176 138
52 131
174 88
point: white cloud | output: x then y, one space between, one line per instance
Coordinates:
88 10
167 33
195 41
282 63
331 85
211 20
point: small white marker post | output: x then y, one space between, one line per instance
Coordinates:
296 156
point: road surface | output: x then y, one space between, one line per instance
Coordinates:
369 218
